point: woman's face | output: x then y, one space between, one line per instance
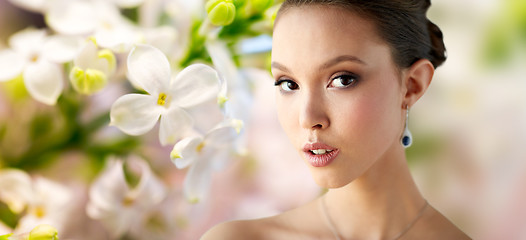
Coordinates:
339 96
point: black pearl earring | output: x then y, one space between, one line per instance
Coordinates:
407 138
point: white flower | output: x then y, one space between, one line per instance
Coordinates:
92 68
15 189
36 56
118 205
72 17
51 203
168 99
163 38
112 30
161 221
118 38
238 99
204 154
45 202
239 93
101 19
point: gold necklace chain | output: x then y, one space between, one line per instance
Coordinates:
337 235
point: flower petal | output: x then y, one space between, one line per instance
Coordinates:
225 133
150 191
61 48
72 17
44 81
15 189
150 68
116 221
88 58
107 194
241 96
222 59
54 196
52 203
206 116
185 152
28 41
108 190
196 84
174 123
163 37
11 64
198 179
135 114
119 39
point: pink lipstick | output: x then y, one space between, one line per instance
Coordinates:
319 154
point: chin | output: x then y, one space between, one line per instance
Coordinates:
330 180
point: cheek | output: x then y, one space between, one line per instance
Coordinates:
287 114
370 120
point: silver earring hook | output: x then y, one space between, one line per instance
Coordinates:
407 137
406 115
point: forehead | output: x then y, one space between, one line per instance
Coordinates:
312 34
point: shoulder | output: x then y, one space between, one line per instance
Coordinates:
232 230
298 223
437 226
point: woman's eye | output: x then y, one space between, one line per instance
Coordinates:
343 81
287 85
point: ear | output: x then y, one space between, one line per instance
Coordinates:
416 80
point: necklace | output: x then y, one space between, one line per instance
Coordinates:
337 235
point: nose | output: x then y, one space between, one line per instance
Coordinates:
313 111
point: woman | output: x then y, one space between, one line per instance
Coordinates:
347 73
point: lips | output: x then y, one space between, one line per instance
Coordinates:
319 154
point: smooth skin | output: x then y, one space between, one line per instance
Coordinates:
337 84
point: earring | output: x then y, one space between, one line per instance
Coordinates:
407 138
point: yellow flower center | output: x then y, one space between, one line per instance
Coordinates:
128 201
39 212
107 25
221 100
175 154
193 200
161 101
34 58
200 147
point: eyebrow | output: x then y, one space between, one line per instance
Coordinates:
328 64
342 58
279 66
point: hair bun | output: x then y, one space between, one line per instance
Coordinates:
438 49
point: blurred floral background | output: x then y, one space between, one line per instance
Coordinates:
154 119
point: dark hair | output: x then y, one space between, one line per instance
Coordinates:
403 24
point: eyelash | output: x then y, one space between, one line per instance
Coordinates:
280 83
353 77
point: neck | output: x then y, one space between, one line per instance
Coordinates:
379 204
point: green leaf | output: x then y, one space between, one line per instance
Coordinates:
7 216
131 13
196 48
